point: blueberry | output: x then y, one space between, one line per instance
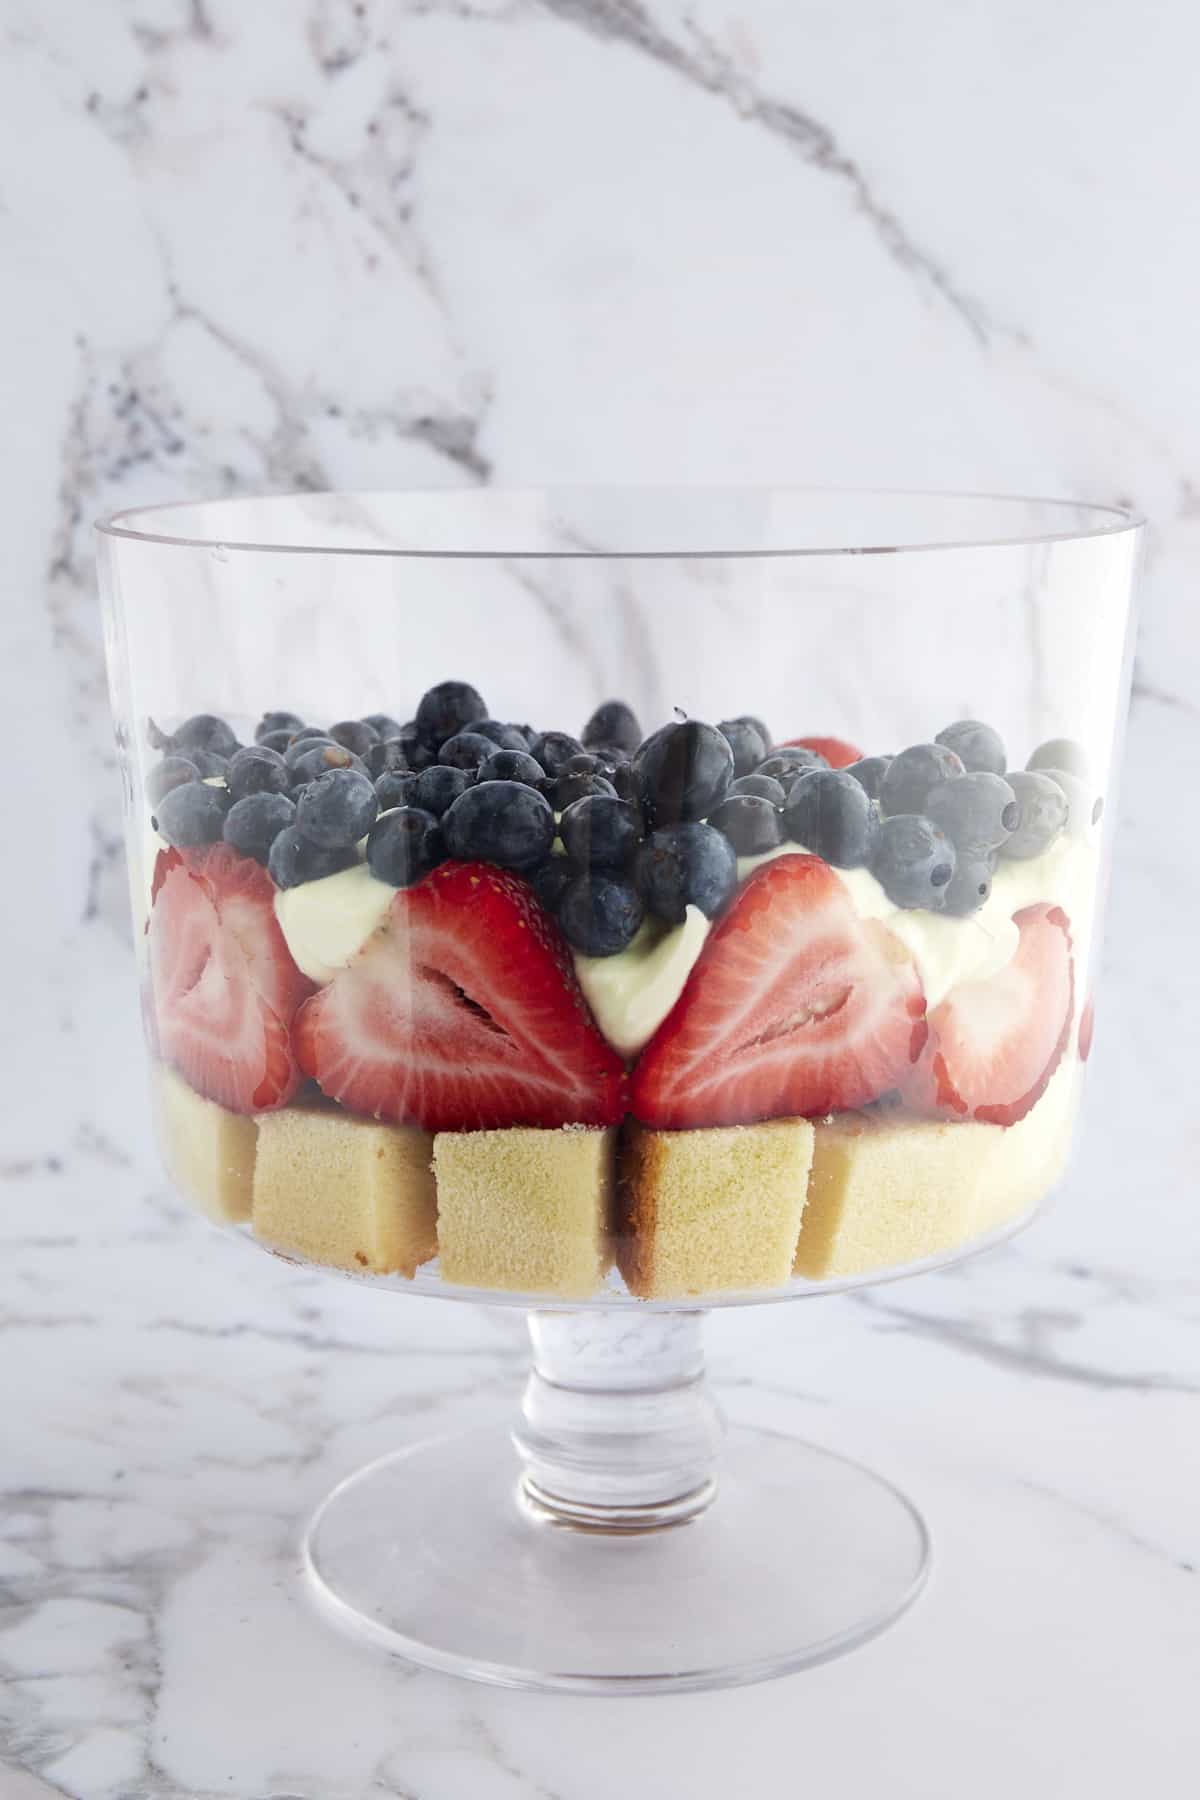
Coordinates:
623 778
209 763
751 822
613 723
416 751
830 814
337 809
551 879
1061 753
257 770
354 734
600 914
271 722
567 789
979 749
385 758
553 749
913 861
203 731
276 740
383 725
465 750
1042 814
685 865
315 733
294 859
910 778
747 743
448 708
438 788
505 737
501 822
404 845
765 786
317 759
584 763
970 885
683 772
513 765
976 811
253 824
395 788
609 757
600 830
787 765
191 814
1084 806
869 773
757 723
397 753
170 773
310 740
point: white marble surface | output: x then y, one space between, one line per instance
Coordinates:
337 244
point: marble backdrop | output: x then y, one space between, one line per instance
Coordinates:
316 243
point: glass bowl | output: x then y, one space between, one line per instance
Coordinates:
618 904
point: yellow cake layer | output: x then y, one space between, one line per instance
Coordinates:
886 1190
525 1210
208 1152
711 1210
345 1191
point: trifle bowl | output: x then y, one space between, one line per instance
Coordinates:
618 905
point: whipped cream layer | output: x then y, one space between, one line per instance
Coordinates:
630 994
326 923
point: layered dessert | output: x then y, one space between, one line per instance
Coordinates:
691 1013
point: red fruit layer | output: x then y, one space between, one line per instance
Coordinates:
462 1014
994 1044
223 989
795 1006
836 751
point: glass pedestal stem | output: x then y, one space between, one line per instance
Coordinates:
618 1430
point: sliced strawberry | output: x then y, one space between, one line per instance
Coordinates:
795 1006
836 751
994 1044
463 1014
223 989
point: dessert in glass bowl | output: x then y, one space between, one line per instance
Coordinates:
686 1012
489 984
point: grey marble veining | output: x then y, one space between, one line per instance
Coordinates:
373 244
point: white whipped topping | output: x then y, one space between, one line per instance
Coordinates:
325 923
630 994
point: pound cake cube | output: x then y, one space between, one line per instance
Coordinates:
527 1210
712 1209
885 1190
345 1191
208 1152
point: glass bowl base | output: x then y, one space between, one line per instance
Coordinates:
434 1554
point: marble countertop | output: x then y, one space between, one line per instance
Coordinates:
375 243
